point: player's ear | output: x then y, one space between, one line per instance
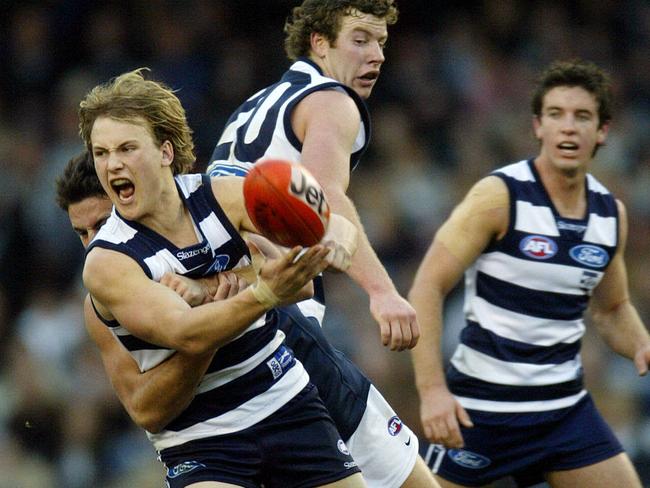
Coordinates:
319 44
167 153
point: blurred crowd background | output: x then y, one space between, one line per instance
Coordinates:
452 103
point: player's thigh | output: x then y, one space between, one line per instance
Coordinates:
211 484
615 471
420 477
353 481
448 484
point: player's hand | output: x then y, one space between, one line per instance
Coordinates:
194 292
341 238
288 276
441 413
397 321
228 285
642 360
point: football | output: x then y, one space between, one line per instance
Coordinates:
286 203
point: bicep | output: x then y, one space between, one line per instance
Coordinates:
141 305
613 288
479 219
327 122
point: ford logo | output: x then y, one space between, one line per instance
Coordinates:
468 459
589 255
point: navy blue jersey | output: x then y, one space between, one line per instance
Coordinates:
249 378
525 297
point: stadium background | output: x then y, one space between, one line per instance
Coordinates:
450 105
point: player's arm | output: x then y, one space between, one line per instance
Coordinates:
481 217
612 312
327 123
158 315
153 398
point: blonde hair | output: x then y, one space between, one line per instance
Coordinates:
131 98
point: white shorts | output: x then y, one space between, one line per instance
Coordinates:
384 448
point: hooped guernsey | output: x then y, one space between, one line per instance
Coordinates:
525 298
249 378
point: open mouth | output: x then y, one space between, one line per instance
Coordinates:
123 188
568 147
371 76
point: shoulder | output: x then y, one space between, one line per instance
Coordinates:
485 208
105 269
488 192
229 193
332 100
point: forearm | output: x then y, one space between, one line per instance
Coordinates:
210 326
366 269
161 394
622 329
427 355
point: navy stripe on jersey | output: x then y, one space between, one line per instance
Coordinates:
245 345
466 386
489 343
234 393
544 304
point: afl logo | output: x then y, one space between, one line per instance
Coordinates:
538 247
589 255
394 425
468 459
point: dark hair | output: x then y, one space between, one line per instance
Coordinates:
576 73
78 182
324 17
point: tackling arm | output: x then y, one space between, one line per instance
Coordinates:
153 398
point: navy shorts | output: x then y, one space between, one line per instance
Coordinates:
297 446
524 446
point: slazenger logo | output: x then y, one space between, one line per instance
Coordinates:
394 425
189 254
308 190
468 459
183 468
538 247
589 255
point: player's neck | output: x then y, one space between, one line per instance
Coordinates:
172 219
566 188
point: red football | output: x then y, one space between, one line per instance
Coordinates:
286 203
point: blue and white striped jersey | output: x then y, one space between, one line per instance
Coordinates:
249 378
261 127
525 297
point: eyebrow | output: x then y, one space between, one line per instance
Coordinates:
130 141
363 30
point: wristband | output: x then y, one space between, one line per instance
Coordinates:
264 294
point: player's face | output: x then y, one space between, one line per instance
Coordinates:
130 165
356 57
88 215
568 128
